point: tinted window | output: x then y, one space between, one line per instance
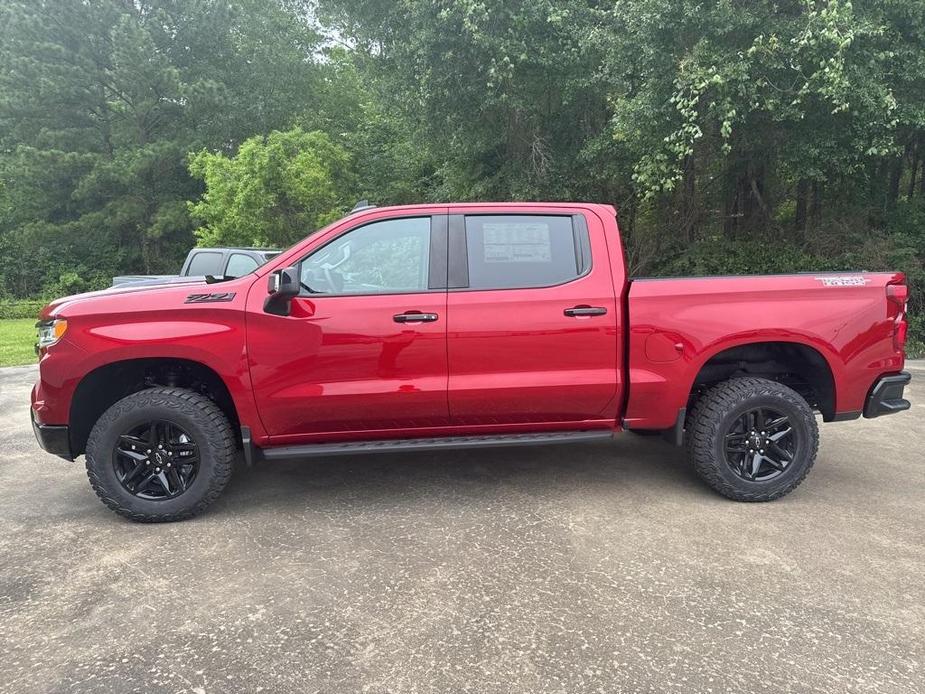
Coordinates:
521 251
387 257
239 265
205 263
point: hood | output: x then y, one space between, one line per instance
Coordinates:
54 308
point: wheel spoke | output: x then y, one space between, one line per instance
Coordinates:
135 473
777 465
162 479
134 456
743 466
780 452
756 464
138 488
176 480
780 434
152 435
735 443
775 423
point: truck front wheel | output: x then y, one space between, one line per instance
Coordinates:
752 439
161 454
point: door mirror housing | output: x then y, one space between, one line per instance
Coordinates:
282 285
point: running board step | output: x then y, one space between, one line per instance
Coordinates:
430 444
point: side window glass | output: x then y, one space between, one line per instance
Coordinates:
387 257
205 263
240 265
510 251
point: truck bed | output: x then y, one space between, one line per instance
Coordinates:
678 324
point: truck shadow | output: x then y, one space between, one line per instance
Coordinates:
630 465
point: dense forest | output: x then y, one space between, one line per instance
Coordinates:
734 137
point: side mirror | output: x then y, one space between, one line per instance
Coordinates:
282 285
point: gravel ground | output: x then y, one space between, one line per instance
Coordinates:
590 568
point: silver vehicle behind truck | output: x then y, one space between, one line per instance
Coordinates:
217 262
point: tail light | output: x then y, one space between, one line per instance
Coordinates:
897 294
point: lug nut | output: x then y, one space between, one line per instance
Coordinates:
133 447
149 450
160 445
157 469
761 451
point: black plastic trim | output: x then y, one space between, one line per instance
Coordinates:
846 416
248 445
53 438
436 276
458 261
431 444
886 396
675 435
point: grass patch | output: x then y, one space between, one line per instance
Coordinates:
17 341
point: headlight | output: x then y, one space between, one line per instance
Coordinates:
50 331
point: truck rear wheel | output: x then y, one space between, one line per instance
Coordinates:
161 454
752 439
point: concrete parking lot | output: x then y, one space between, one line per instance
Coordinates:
594 568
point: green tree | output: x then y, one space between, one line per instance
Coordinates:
276 190
100 103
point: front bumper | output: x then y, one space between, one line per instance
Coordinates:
53 438
886 397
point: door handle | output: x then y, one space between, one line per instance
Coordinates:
414 317
585 311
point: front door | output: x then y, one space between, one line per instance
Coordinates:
364 347
533 317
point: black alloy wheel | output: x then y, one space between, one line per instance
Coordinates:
759 444
157 460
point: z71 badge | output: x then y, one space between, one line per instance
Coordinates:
843 281
209 298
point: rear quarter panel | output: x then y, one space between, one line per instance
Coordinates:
677 325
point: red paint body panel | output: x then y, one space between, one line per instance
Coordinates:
514 357
850 326
340 363
340 368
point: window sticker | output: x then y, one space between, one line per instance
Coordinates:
516 242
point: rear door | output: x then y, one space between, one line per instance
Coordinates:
532 319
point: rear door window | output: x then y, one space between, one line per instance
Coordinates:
521 251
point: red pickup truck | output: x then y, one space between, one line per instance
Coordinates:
427 327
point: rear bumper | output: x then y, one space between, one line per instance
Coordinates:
886 396
53 438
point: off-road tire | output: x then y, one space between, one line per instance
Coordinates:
194 413
711 417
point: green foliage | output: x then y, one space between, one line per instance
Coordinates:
273 192
100 103
22 308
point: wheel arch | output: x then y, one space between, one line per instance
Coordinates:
99 389
795 363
